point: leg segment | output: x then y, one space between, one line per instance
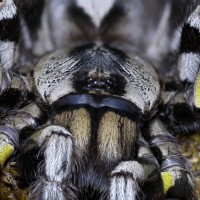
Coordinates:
9 35
179 116
175 169
53 146
20 121
26 120
190 57
131 179
9 141
189 48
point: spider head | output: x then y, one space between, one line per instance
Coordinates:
99 71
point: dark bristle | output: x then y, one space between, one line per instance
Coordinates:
181 119
190 39
9 29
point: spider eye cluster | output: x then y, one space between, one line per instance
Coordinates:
99 82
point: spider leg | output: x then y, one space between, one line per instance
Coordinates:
53 159
175 169
15 125
129 177
9 36
26 119
12 86
189 59
9 142
14 93
12 89
14 122
178 116
189 47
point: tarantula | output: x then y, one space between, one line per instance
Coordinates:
91 98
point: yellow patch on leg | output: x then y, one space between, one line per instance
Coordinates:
168 181
197 91
6 151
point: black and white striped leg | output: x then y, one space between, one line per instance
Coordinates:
52 150
9 50
189 59
190 48
131 179
175 169
9 36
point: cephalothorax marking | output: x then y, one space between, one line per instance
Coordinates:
55 73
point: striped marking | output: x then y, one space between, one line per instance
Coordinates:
9 33
194 19
189 60
188 66
9 21
190 37
7 9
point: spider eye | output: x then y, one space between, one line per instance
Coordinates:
99 82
